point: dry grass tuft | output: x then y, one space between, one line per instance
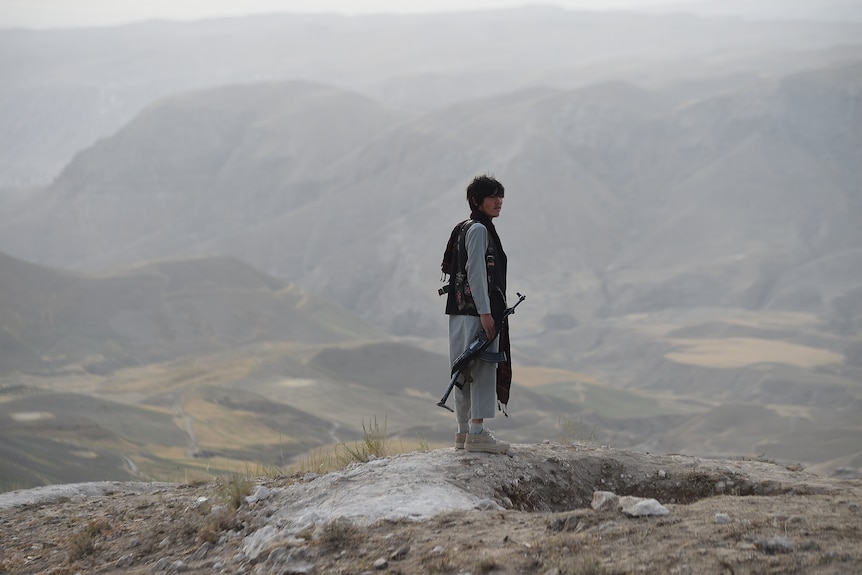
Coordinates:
339 534
373 442
216 523
235 490
83 543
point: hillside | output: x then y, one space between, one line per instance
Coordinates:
682 211
99 374
445 511
65 89
67 322
684 256
178 368
743 199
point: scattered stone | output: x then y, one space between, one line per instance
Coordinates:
571 523
722 518
381 564
642 507
279 557
294 568
307 521
631 506
255 544
286 562
261 493
487 505
775 545
400 553
203 550
605 500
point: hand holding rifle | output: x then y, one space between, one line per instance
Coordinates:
484 337
488 325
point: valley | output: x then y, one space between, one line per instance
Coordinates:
216 258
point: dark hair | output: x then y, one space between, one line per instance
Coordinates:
483 187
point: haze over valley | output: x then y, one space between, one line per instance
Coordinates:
220 240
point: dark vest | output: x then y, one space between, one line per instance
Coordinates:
460 299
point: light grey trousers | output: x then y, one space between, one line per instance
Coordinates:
477 399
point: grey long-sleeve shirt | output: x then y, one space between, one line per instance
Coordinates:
476 243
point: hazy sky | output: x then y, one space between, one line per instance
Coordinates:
71 13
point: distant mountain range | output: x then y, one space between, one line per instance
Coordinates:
64 89
620 200
250 269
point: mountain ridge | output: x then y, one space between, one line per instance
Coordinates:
152 312
745 175
96 80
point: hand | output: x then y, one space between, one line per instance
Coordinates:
488 325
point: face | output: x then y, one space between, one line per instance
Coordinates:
491 206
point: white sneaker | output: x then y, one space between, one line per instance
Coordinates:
484 442
460 438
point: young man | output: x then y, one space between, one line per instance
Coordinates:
476 298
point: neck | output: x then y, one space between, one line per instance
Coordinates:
480 215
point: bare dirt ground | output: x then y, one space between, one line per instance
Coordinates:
449 512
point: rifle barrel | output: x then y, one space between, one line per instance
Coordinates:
442 402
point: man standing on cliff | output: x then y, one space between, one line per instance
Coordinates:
476 300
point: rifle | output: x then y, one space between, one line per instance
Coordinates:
462 364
